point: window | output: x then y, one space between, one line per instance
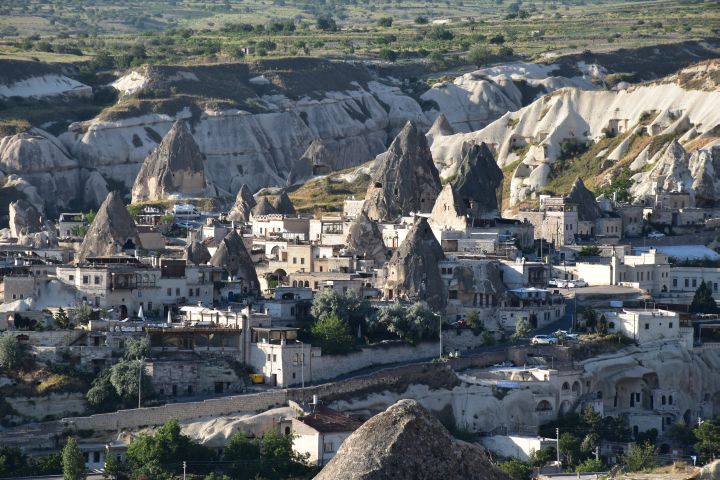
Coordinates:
687 282
294 260
169 292
302 260
86 279
97 279
177 292
274 357
328 447
71 278
674 282
197 291
647 326
190 292
694 282
269 357
670 325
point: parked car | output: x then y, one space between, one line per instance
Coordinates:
655 235
577 284
567 336
544 340
554 282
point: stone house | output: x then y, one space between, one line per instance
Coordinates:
320 432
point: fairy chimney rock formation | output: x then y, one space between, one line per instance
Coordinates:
413 272
588 208
197 253
365 240
440 128
478 180
232 256
244 203
176 166
112 232
263 207
406 442
283 205
405 180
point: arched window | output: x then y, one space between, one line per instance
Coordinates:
566 386
670 399
543 406
663 400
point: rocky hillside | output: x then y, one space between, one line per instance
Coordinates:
407 442
651 128
283 121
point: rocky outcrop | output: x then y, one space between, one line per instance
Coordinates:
232 256
670 173
482 281
197 253
534 134
41 160
588 209
705 169
478 181
413 272
175 167
440 128
322 157
405 178
711 471
283 205
407 442
111 232
24 218
263 207
365 240
244 203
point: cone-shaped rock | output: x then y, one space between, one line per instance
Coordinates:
413 272
232 255
478 180
112 232
197 253
263 207
283 205
588 209
176 166
244 203
449 210
24 218
365 239
440 128
405 179
406 442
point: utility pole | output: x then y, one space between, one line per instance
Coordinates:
440 334
557 446
142 362
597 454
184 469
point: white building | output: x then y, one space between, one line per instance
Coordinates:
646 326
320 433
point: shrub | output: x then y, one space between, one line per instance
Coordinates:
332 334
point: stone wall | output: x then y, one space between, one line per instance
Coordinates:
54 405
397 379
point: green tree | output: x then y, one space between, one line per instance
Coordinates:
102 395
279 458
72 461
640 457
385 22
681 434
124 378
137 349
703 301
114 469
522 329
326 24
472 320
332 334
12 462
516 469
388 54
479 55
589 251
347 306
540 458
708 440
569 446
161 455
591 465
11 352
439 32
82 313
61 319
244 457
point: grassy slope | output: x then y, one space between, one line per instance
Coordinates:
327 194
